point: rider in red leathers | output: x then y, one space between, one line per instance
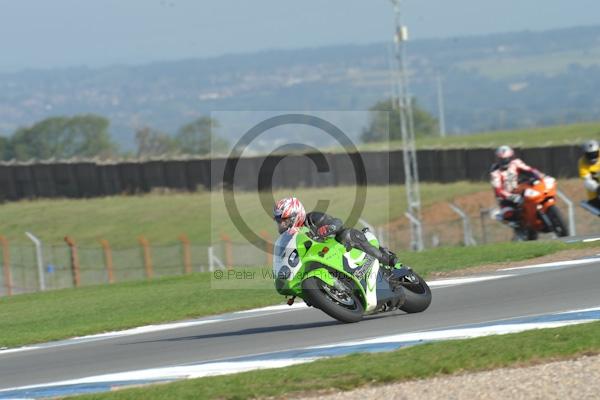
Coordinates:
504 176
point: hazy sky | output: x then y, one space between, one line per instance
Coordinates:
52 33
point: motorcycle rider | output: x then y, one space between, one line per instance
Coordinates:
589 171
504 176
290 216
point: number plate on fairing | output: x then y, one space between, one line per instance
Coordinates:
362 271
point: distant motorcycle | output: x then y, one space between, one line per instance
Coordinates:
538 210
345 284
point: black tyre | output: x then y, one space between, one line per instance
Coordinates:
558 222
524 234
343 305
531 234
418 293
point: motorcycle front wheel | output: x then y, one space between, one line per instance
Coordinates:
343 305
418 293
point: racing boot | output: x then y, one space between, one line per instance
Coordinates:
390 264
389 259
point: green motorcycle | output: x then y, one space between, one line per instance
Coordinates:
345 284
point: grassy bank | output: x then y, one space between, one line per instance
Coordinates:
532 137
353 371
452 258
39 317
161 218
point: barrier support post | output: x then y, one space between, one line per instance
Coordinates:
570 210
467 233
40 260
75 267
187 254
415 221
6 265
147 256
228 250
108 260
212 260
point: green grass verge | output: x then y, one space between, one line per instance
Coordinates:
39 317
203 216
534 137
452 258
357 370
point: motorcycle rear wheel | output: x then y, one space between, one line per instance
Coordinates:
345 306
558 222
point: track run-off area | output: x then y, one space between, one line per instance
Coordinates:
505 301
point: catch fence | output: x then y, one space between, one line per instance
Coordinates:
70 265
67 265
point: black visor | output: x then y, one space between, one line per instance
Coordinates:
592 156
503 162
283 224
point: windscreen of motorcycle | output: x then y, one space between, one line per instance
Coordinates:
286 261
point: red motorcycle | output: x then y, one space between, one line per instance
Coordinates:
538 211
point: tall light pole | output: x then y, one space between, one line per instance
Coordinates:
403 104
441 114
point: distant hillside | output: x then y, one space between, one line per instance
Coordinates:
492 82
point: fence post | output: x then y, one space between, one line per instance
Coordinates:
467 233
415 221
212 260
40 260
228 250
268 247
484 215
6 263
570 210
75 270
187 254
147 256
108 261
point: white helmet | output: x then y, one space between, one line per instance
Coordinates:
504 155
591 149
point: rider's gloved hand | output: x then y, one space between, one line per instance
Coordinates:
392 258
325 231
516 198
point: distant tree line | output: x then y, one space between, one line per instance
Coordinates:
87 136
385 122
195 138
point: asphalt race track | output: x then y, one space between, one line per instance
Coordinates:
512 293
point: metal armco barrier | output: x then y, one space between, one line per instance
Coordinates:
92 179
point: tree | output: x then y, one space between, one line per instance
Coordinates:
386 120
5 148
151 142
198 137
63 137
88 136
